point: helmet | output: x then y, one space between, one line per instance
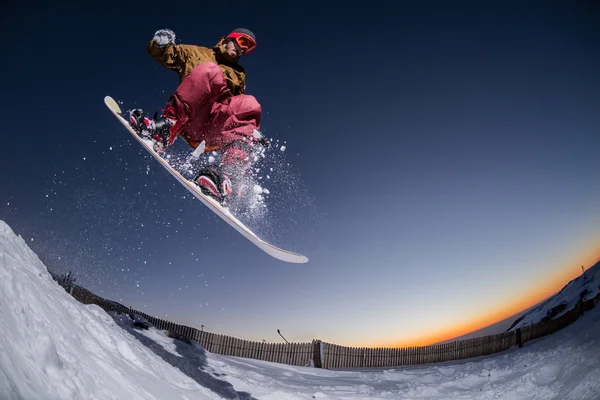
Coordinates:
245 40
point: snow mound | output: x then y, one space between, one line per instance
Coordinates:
53 347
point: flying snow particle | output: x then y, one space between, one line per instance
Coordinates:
199 150
282 148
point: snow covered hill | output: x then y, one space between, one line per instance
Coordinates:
582 288
53 347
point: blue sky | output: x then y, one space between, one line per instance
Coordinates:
440 172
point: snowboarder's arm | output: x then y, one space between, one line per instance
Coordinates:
163 49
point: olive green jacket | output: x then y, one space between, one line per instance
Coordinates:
182 58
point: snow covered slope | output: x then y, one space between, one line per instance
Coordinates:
52 347
582 288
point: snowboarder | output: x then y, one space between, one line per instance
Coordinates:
208 106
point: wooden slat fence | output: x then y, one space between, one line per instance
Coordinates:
328 355
340 357
300 354
541 329
335 356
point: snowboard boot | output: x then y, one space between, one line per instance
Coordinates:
159 129
214 183
228 180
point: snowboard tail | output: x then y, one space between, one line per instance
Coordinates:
212 204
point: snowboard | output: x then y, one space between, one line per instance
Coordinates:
212 204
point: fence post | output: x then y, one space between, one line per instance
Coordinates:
317 353
518 340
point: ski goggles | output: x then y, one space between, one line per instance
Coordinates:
246 43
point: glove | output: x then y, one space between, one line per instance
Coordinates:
164 37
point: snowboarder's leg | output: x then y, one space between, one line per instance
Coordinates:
228 179
232 119
243 114
195 95
233 129
188 109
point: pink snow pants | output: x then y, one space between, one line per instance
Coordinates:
206 110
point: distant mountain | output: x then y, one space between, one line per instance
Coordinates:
584 287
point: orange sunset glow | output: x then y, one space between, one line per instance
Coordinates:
553 284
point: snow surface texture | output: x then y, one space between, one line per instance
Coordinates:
54 347
582 288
